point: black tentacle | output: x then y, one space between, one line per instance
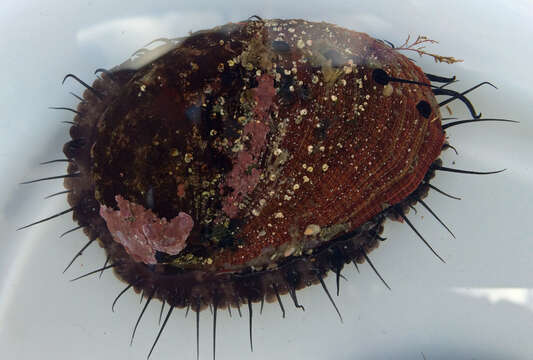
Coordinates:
435 216
440 79
58 193
356 266
105 71
239 308
337 281
95 271
257 17
337 263
105 264
446 84
376 235
160 330
388 43
77 97
215 308
119 294
48 218
161 312
51 178
197 329
448 146
319 277
442 192
71 230
78 254
250 324
445 126
54 161
400 213
141 315
465 92
443 168
294 297
279 300
380 76
375 270
91 89
64 108
455 95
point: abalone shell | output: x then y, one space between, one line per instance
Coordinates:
248 160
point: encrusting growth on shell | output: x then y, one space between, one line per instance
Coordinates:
312 229
142 233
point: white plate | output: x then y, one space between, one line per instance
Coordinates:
476 306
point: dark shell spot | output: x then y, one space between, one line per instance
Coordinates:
380 76
424 108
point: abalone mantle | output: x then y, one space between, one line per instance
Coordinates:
272 135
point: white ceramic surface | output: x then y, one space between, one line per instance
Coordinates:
479 305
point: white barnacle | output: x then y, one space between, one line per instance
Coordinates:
279 215
188 157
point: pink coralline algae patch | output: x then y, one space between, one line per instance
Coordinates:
243 178
244 175
263 95
142 232
257 131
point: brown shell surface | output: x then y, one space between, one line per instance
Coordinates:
272 133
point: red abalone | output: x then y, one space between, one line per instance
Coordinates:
245 162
